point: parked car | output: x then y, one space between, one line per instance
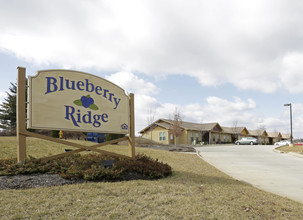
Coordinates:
248 140
282 143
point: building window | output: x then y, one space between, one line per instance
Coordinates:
228 139
214 138
191 137
224 138
197 137
162 136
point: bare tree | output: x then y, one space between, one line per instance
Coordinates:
260 131
151 115
150 119
235 131
175 127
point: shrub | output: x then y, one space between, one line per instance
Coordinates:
146 166
89 167
101 173
4 164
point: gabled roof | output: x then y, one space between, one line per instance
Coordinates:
166 123
274 134
197 126
159 122
258 133
163 124
234 130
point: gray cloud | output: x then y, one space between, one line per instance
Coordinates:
244 43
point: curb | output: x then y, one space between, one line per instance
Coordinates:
198 154
290 153
295 154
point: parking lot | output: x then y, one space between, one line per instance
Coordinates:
260 166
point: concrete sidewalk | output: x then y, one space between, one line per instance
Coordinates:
260 166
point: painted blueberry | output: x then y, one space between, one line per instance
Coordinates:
90 101
83 98
85 101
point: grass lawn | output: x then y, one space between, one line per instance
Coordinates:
196 190
297 149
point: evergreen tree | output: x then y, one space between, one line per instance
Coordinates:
8 109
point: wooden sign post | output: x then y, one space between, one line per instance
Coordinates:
21 120
84 103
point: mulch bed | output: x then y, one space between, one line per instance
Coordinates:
33 181
48 180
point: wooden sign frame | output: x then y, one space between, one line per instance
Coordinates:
22 133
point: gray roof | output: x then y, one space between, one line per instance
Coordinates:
274 134
233 130
257 132
166 123
195 126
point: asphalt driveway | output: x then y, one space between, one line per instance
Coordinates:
260 166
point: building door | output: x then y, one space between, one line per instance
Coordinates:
205 137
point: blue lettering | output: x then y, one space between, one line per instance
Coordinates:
117 101
98 88
79 116
110 96
96 121
87 118
68 84
70 110
89 85
105 91
51 85
61 83
104 117
80 84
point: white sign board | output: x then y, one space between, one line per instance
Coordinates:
76 101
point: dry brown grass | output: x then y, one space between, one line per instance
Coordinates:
195 191
295 149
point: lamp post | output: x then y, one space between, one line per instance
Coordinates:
290 120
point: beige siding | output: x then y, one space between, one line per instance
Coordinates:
244 132
155 135
190 136
183 137
225 138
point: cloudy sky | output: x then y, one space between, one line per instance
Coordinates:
214 60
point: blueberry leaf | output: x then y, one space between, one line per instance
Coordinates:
78 102
93 107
